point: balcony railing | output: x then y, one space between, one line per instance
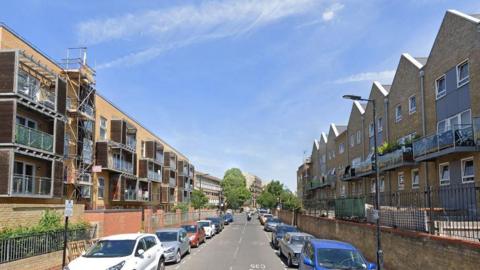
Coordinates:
184 171
121 165
159 158
131 142
172 182
395 158
87 109
33 186
33 138
136 195
173 164
461 136
154 176
31 88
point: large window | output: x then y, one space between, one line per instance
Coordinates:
412 104
359 136
398 113
468 174
461 120
341 148
401 181
371 129
101 188
444 172
103 129
440 87
24 121
380 124
463 76
352 140
415 178
382 184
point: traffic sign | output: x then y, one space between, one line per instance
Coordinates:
68 208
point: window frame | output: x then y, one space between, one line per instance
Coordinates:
401 186
98 188
371 129
462 162
379 124
359 136
466 79
412 175
105 128
410 110
446 182
398 118
439 95
341 148
352 140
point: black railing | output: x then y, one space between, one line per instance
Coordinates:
21 247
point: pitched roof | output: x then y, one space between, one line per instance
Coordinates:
360 106
422 60
417 61
316 144
382 88
475 15
323 137
341 129
471 18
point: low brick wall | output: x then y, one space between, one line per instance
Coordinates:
50 261
13 215
402 249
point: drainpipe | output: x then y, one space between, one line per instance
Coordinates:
385 120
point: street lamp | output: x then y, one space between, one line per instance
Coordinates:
376 213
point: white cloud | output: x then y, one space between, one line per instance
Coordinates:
179 26
331 12
385 76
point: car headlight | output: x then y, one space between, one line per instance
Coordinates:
170 249
117 266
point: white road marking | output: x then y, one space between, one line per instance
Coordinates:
236 252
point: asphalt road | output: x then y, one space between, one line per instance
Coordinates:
241 245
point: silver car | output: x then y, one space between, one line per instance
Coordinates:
271 223
175 243
291 246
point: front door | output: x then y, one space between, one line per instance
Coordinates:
24 178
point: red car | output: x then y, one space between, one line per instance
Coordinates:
195 234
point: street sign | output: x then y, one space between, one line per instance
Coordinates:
97 168
68 208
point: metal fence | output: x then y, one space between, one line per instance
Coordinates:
452 211
21 247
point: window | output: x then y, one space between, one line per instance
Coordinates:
412 104
359 136
370 130
372 186
341 148
150 242
352 140
460 120
401 181
468 174
24 121
415 178
382 184
141 245
379 124
398 113
324 158
440 87
463 76
101 188
103 129
444 174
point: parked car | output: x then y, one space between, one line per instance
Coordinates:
218 222
290 246
123 251
195 233
208 227
279 232
264 217
175 242
320 254
229 217
271 223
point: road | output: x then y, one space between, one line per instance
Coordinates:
241 245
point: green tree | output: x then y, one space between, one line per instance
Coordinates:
235 188
275 188
181 206
199 199
290 201
266 200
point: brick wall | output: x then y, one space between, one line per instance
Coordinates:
50 261
401 248
29 214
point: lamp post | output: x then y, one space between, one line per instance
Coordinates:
376 214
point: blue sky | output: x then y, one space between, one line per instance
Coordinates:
237 83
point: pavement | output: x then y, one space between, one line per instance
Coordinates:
241 245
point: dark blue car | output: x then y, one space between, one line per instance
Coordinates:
279 232
228 218
319 254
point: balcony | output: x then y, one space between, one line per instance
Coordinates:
359 169
26 185
460 139
136 195
72 105
395 159
131 142
159 157
184 171
154 176
172 182
33 138
31 88
121 165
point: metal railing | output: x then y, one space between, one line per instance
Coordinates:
31 88
394 158
87 109
159 157
21 247
29 185
131 142
136 195
121 165
172 182
461 135
33 138
154 175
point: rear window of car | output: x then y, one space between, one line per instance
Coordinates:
203 224
190 228
276 220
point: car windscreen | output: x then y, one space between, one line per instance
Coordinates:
167 236
190 228
111 248
214 220
285 229
274 220
203 224
334 258
299 240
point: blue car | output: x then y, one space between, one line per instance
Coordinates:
229 218
320 254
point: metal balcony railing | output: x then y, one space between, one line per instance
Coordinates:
30 87
87 109
460 136
159 157
121 165
172 182
131 142
29 185
397 157
33 138
154 175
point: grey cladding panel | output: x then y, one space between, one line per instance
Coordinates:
456 100
7 71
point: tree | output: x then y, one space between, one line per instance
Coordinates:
235 188
199 199
266 200
290 201
275 188
181 206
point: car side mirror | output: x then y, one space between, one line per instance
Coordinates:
372 266
140 253
307 261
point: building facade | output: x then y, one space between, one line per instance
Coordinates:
254 184
211 186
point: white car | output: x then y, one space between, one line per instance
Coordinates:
139 251
208 227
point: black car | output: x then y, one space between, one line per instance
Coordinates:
218 222
279 232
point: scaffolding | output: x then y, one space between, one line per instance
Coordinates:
80 127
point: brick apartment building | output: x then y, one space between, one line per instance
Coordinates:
60 139
211 186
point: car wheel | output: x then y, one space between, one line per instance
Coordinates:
161 264
289 261
178 257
